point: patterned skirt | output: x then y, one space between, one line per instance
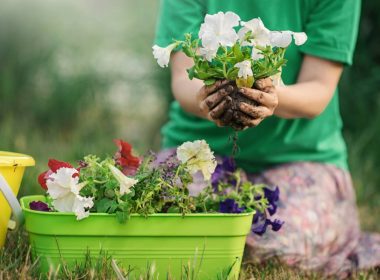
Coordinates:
321 232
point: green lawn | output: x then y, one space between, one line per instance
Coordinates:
16 263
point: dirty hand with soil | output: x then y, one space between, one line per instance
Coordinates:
227 105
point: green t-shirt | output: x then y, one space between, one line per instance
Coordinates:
331 26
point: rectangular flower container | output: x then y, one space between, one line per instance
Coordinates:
210 244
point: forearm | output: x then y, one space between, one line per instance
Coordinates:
184 91
302 100
313 91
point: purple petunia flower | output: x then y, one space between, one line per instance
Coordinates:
223 172
272 195
260 224
276 224
230 206
229 164
39 206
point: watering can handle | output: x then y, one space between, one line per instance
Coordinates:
12 200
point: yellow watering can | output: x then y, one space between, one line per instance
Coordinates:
12 167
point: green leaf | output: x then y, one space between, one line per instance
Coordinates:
191 72
121 217
209 82
103 205
203 75
238 53
187 51
195 43
232 73
173 209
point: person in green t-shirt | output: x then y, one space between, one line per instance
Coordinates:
294 138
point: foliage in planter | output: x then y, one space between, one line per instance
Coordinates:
125 184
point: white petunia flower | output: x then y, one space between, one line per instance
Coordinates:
125 182
281 39
64 190
256 54
62 183
79 206
218 29
245 69
198 157
163 54
259 36
209 54
299 38
64 203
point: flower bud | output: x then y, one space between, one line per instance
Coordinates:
245 82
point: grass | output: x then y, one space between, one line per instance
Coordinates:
16 263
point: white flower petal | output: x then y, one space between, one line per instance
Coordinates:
82 214
231 20
64 190
228 38
256 54
209 40
208 54
213 22
281 39
218 29
65 203
80 205
198 157
125 182
245 69
299 38
241 34
61 182
255 24
260 34
162 55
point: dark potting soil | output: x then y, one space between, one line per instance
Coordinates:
232 115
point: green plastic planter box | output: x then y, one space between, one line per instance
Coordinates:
209 243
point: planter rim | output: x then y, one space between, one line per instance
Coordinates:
25 207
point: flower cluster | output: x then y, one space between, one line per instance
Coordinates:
197 156
69 188
220 52
62 184
108 186
236 195
260 219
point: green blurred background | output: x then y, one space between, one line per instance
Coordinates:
76 74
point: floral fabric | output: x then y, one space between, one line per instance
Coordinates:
321 230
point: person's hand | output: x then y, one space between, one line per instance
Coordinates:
266 98
215 103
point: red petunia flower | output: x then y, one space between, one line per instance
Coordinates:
125 159
42 178
54 165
